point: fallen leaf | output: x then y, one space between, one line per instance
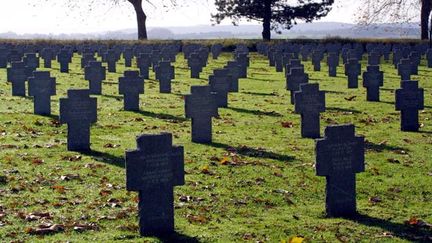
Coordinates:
295 239
351 98
287 124
45 229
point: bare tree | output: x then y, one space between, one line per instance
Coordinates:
396 11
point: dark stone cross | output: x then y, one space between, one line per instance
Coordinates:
153 170
352 70
86 59
317 56
415 58
374 58
79 111
339 156
232 71
111 59
131 86
95 73
310 102
4 53
296 77
201 106
373 79
31 62
405 69
333 63
17 75
42 86
195 65
216 50
47 55
164 73
64 58
221 86
144 63
294 63
278 60
409 100
128 56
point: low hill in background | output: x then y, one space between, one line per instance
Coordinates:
310 30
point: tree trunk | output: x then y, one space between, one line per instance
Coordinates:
141 19
266 34
425 12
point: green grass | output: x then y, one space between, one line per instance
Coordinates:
267 192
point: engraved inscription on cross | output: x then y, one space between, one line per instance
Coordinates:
352 70
131 86
153 170
79 111
95 73
201 106
409 100
339 156
310 102
42 86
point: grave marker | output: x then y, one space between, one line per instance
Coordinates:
310 102
42 86
409 100
131 86
78 111
153 170
339 156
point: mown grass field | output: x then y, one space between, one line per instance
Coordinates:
256 182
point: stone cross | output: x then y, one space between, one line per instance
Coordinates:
195 65
374 59
153 170
415 58
310 102
31 62
220 85
278 61
373 79
296 77
128 56
111 59
317 56
232 71
144 63
131 86
78 111
47 55
333 63
17 75
352 70
216 50
405 69
339 156
4 53
95 73
86 59
409 100
201 106
164 73
42 86
64 58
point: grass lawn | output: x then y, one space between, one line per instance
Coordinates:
255 182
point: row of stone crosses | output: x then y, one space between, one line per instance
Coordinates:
156 166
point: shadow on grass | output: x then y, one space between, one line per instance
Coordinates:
117 97
105 158
261 79
252 152
381 147
337 109
255 112
260 94
333 92
413 233
178 238
393 103
161 116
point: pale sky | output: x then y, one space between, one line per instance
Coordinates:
53 17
